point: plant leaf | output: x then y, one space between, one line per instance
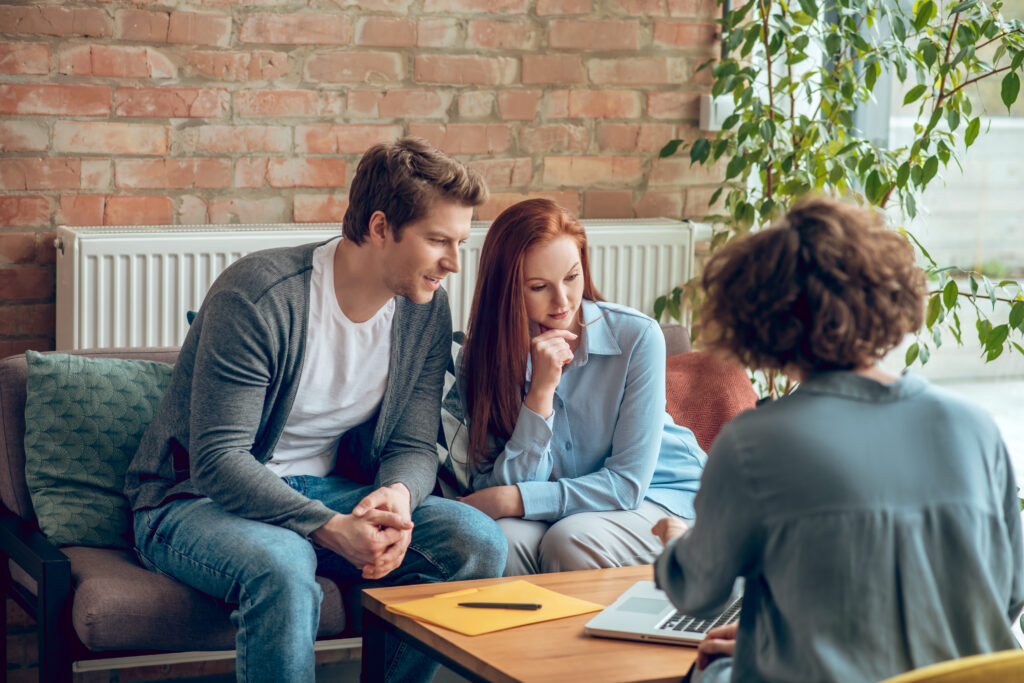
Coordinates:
1010 89
914 94
973 128
670 148
1017 316
911 355
950 293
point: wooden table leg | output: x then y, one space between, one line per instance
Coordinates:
374 657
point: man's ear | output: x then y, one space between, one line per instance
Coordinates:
380 229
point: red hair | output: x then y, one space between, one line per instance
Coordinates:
498 339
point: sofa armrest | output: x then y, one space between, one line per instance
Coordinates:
29 548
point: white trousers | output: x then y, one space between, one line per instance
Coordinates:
588 540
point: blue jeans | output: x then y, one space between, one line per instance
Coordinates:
268 572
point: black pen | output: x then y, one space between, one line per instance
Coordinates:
502 605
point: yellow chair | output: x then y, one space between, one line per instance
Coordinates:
997 667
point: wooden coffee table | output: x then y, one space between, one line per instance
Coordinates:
549 651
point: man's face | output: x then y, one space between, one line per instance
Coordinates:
427 251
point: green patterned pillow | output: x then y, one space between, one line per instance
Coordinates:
84 418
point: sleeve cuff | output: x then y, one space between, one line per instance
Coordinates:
542 500
532 432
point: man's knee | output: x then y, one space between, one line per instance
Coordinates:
470 534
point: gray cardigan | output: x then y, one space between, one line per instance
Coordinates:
234 384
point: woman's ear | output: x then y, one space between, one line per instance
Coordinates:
379 228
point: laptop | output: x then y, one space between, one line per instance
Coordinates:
644 612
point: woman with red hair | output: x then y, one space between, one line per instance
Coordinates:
571 448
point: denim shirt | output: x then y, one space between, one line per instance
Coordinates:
609 443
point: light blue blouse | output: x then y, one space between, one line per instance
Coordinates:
876 525
609 443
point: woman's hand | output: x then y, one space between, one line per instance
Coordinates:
719 642
497 501
549 353
669 528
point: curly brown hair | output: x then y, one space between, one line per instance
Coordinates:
828 287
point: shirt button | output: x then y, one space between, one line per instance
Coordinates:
568 445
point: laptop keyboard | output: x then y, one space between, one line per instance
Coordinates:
682 622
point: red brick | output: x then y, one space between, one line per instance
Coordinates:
319 209
328 138
655 204
570 201
13 347
46 251
554 138
156 174
24 211
465 138
403 104
518 105
585 171
232 139
81 209
638 71
682 34
207 103
476 104
553 7
146 210
386 32
55 20
296 29
594 34
27 320
673 105
109 138
555 104
393 6
439 32
255 103
698 202
55 100
194 28
96 174
606 104
240 65
192 210
552 69
504 172
270 210
24 58
467 6
17 248
608 204
355 67
310 172
465 70
677 170
501 35
692 8
634 137
251 172
23 136
26 283
116 62
143 26
639 8
25 173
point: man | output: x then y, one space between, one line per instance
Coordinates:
297 435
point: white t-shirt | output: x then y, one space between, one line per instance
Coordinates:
343 376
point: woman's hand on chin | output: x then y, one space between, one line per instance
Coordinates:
496 501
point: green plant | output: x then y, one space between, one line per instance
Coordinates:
796 74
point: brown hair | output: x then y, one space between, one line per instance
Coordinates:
498 335
828 287
402 179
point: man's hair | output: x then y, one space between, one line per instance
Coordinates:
828 287
403 179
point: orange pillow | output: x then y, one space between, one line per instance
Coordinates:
704 392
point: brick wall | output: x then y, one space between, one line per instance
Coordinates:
222 111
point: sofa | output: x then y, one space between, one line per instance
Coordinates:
99 603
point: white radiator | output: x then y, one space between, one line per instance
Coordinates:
132 285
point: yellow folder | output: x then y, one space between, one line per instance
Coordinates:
444 610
